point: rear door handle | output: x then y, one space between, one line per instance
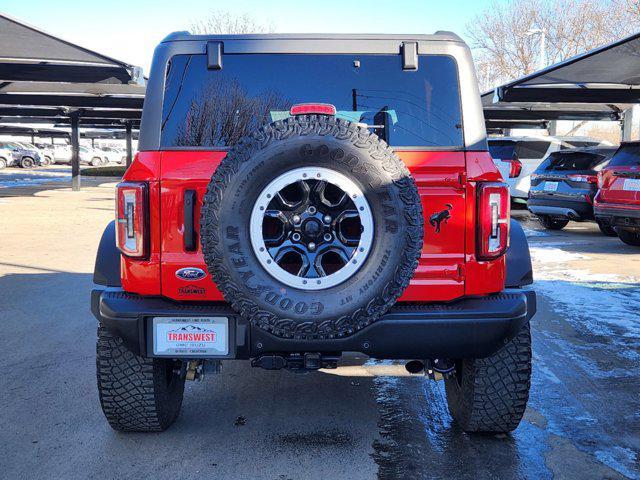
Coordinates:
189 220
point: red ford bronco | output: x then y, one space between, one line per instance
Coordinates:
296 197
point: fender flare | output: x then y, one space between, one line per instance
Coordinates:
107 268
519 269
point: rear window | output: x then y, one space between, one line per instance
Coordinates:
627 155
504 149
580 143
216 108
573 161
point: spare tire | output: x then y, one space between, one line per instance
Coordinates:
311 227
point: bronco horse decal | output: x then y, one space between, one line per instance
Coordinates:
443 216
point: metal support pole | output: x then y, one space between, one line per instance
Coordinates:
75 152
128 135
93 143
33 138
631 124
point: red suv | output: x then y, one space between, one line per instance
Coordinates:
296 197
617 203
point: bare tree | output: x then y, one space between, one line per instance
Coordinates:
506 37
222 22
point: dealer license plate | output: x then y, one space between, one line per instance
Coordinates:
550 186
191 336
631 184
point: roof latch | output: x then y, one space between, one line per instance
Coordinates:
214 55
410 55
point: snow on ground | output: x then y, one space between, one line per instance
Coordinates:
603 303
15 177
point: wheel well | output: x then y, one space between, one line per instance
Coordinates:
519 269
107 268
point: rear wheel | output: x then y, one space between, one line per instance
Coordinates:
47 161
553 223
629 236
3 163
137 394
490 394
607 230
96 161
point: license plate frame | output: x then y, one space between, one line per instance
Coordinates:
550 186
191 336
631 185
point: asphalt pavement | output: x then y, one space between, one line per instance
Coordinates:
583 419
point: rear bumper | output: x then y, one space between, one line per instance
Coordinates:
570 209
618 215
472 327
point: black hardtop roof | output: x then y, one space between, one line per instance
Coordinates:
441 36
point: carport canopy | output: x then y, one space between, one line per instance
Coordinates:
597 85
45 79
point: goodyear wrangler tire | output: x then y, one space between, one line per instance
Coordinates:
311 227
137 394
489 395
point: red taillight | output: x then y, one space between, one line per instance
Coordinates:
516 168
132 219
583 178
493 220
313 109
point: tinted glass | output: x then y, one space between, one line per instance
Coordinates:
583 143
573 161
532 148
627 155
502 149
215 108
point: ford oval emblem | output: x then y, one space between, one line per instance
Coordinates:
191 273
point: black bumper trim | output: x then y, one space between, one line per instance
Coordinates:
613 213
581 207
472 327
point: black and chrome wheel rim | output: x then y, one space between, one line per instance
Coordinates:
311 228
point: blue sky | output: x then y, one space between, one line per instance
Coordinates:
129 30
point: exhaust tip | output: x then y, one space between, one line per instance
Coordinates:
414 367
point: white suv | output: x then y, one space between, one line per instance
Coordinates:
518 157
88 156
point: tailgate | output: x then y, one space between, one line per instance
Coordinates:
439 276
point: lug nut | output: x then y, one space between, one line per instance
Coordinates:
296 237
312 210
296 219
327 219
312 246
327 237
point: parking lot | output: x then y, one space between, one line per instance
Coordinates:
582 420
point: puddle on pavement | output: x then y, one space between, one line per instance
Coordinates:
419 439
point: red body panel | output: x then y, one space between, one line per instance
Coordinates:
447 270
612 193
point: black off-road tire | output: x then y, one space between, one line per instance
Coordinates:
552 223
490 394
136 394
629 236
302 141
607 230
